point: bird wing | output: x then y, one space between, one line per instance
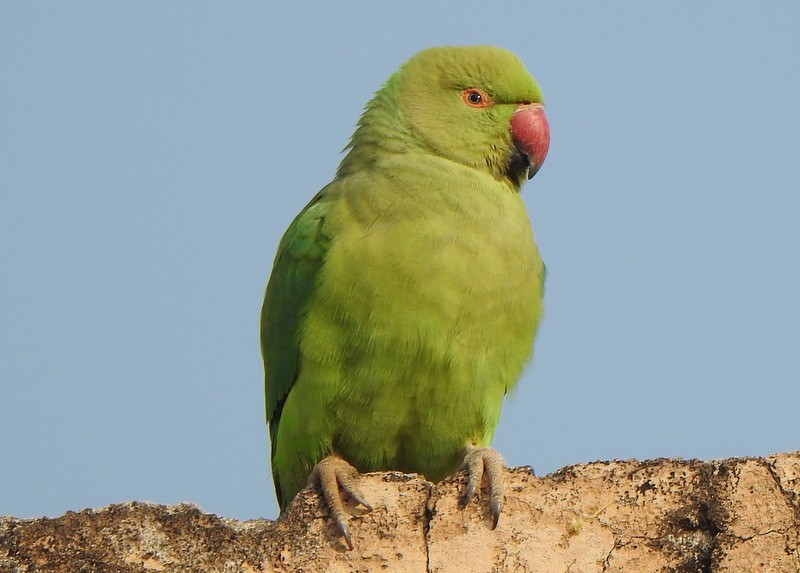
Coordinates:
300 256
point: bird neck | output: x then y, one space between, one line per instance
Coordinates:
381 131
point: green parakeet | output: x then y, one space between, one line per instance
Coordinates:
405 297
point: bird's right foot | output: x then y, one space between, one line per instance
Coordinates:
330 475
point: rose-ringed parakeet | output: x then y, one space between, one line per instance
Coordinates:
405 297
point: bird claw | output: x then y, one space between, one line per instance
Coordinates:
331 474
477 462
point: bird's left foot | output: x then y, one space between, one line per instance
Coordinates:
480 461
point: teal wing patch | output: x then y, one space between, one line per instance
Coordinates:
543 276
294 274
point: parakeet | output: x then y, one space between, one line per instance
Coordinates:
404 299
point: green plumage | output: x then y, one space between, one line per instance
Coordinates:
404 299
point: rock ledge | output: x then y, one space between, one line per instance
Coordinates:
739 515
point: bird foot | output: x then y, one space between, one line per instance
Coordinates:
480 461
331 474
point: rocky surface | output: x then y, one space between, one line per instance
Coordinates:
680 516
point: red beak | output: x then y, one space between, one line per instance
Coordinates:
531 132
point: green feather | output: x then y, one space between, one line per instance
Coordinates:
404 299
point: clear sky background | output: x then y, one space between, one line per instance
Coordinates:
153 153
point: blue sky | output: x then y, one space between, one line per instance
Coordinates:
152 155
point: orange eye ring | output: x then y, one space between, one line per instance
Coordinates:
476 97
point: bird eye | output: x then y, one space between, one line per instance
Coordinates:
476 97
